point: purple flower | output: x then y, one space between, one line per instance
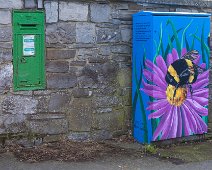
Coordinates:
182 113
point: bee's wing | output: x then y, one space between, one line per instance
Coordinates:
191 55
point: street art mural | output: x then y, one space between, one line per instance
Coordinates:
170 75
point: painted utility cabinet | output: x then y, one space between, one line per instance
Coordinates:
28 50
170 75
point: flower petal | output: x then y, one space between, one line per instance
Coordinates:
169 60
157 104
155 94
161 125
161 63
200 84
183 52
202 124
201 100
180 127
153 78
173 130
167 126
151 87
203 65
186 123
191 122
204 75
159 112
199 127
201 93
155 69
174 54
197 107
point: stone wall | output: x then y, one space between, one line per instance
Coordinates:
88 71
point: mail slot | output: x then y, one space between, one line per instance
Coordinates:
28 50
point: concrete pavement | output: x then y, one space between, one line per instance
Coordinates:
195 156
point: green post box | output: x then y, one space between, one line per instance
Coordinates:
28 50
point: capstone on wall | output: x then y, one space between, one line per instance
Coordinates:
88 71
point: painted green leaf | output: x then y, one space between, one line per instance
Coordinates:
160 42
183 34
138 96
170 43
169 22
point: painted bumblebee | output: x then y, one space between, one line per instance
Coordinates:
183 72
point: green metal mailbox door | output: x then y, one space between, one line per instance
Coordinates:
28 50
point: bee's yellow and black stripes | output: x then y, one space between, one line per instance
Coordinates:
191 69
181 72
173 73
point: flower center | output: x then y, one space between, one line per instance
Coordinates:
180 95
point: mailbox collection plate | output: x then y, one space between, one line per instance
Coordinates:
28 50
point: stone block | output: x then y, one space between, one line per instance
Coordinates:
71 11
57 66
61 81
124 15
86 53
121 49
52 138
105 101
30 4
105 50
57 54
45 116
103 110
22 93
5 17
79 136
183 10
99 135
13 123
123 6
7 45
126 93
121 58
52 126
19 127
80 93
77 63
108 35
80 115
61 33
6 72
109 90
11 4
19 105
100 12
124 77
110 121
85 33
5 55
109 69
126 35
51 8
58 102
86 82
92 71
5 33
98 59
42 106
